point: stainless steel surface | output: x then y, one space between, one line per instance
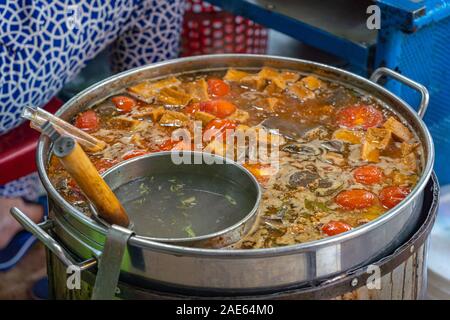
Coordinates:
48 241
109 265
402 274
228 170
425 96
245 270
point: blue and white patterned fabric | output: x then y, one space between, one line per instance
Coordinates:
45 43
28 187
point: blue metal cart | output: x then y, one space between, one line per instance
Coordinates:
414 39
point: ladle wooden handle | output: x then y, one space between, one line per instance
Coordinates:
78 165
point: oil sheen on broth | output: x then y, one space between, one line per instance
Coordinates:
167 205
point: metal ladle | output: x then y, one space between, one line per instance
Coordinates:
109 209
201 173
81 169
78 165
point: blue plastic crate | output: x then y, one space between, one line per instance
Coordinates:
426 58
423 54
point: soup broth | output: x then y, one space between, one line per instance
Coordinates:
344 158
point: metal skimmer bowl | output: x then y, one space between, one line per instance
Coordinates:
196 163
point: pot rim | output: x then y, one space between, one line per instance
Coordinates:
242 253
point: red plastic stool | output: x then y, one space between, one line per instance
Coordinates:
207 29
18 149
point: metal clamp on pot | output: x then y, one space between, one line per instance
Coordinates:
39 231
110 261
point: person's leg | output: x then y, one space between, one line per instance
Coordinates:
8 225
20 193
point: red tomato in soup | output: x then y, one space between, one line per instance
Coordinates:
355 199
87 121
368 174
219 108
333 228
391 196
359 116
218 87
124 103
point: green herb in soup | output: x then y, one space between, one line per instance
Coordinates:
344 158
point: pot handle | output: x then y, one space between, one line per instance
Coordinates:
425 96
38 230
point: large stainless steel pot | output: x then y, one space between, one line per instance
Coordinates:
401 275
148 263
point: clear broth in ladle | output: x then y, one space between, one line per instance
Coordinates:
167 205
